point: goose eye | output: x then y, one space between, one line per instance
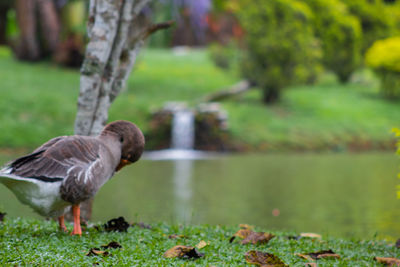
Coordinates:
121 139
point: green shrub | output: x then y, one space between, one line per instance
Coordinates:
224 56
340 35
281 48
377 19
384 58
397 132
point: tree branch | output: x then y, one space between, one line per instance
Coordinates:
237 89
156 27
128 56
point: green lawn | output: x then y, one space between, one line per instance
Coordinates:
39 243
38 101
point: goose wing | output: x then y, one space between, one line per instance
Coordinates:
57 160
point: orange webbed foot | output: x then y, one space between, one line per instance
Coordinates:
76 211
62 224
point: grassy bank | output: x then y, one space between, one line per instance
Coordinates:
38 101
35 242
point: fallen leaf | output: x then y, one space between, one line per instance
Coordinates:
201 244
305 256
185 252
242 233
311 264
324 254
112 244
116 225
319 255
388 261
246 226
142 225
252 237
258 238
263 259
2 215
97 252
310 235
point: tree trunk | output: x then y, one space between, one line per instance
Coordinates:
116 35
270 95
28 47
3 22
50 24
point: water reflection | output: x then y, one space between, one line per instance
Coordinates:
350 195
182 178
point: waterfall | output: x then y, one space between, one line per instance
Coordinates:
182 131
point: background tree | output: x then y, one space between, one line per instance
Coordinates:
116 33
377 19
281 48
35 42
339 34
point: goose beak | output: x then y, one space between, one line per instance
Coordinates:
122 164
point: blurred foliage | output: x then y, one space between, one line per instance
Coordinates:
377 19
225 57
12 30
160 11
397 133
340 36
73 17
281 48
384 58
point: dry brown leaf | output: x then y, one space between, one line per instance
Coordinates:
252 237
305 256
310 235
258 238
319 255
388 261
246 226
242 233
97 252
263 259
201 244
324 254
311 264
182 252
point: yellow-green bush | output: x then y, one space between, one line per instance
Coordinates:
340 35
384 58
377 19
282 49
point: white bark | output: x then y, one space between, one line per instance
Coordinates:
116 35
102 33
109 22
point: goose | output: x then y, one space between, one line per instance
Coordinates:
67 170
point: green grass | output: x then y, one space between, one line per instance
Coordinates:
38 102
36 242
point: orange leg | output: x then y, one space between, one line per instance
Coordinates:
62 224
76 211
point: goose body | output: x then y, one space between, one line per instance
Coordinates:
68 170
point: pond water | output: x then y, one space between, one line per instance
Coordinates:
344 195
